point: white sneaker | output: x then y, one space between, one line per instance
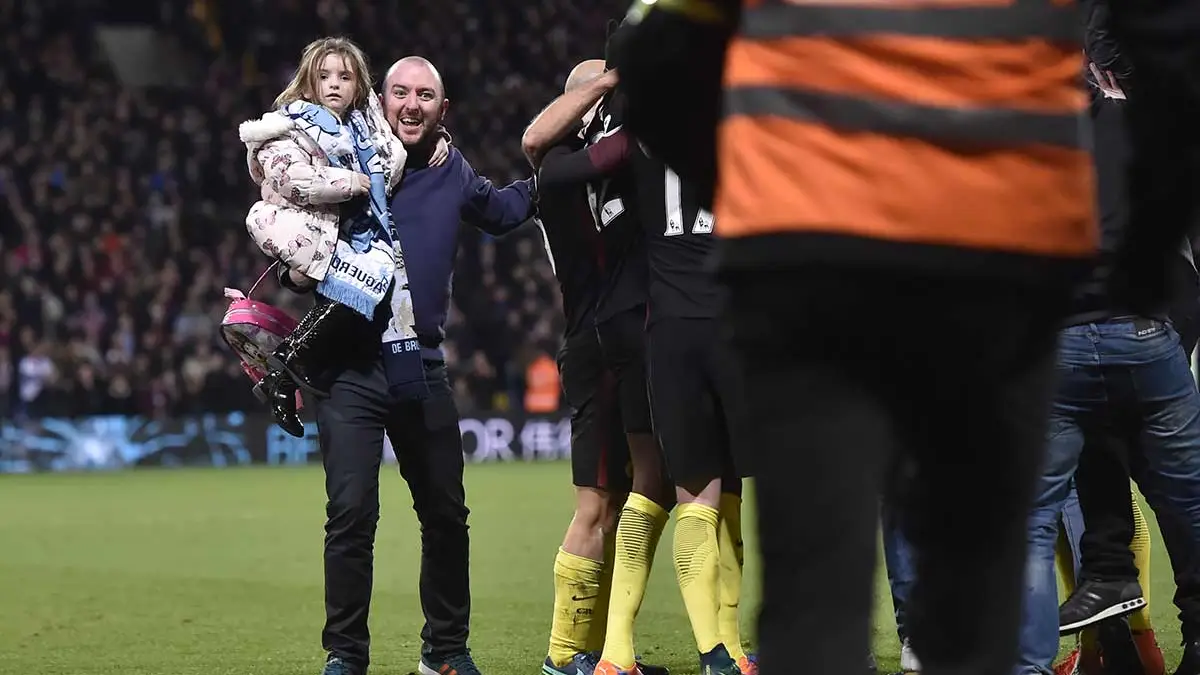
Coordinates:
908 660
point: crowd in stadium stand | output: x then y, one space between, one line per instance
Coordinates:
122 208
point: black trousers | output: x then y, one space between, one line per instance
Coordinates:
846 368
426 440
1102 483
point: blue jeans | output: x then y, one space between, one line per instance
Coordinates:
1072 523
901 570
1107 371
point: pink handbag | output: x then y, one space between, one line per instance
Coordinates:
253 330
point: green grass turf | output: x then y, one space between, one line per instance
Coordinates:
209 572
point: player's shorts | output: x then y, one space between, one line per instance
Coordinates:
695 395
599 452
623 341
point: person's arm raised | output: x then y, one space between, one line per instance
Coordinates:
562 115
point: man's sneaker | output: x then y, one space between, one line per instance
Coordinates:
908 658
610 668
448 664
1095 601
718 662
336 666
580 664
1069 665
748 664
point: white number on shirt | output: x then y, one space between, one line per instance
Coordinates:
605 214
674 200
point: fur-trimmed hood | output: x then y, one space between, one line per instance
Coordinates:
276 126
270 126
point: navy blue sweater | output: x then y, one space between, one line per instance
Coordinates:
427 209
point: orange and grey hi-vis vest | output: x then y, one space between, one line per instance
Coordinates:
882 128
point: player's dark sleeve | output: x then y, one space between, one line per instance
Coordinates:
561 166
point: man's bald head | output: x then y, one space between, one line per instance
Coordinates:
582 73
414 99
415 63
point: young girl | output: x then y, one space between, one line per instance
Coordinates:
327 163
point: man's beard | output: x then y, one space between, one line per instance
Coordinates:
426 138
427 133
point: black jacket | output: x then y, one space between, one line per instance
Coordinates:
1103 295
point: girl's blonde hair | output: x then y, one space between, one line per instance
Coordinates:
303 86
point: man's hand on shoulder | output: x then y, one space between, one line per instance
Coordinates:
441 152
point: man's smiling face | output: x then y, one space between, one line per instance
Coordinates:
414 100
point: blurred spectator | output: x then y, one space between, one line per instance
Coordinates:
122 208
541 384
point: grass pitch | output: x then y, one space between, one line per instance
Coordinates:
213 572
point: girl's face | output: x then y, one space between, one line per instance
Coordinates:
336 83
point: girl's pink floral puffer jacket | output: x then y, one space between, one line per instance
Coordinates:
296 221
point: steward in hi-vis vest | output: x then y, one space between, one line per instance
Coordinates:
944 134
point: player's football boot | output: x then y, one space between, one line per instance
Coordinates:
459 663
580 664
1069 665
650 669
908 658
718 662
748 664
610 668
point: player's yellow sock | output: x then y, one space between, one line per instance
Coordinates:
576 590
729 540
598 630
1140 620
638 531
697 567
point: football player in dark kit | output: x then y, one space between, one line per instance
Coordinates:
603 376
693 387
695 392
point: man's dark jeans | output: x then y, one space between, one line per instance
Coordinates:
426 440
1104 471
1118 375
